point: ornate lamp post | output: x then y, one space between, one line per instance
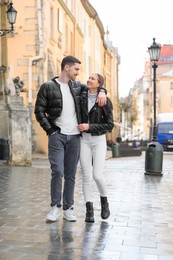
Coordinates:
6 13
11 17
154 52
154 152
15 131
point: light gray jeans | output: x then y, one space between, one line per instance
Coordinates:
92 161
63 157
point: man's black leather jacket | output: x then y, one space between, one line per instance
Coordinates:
49 105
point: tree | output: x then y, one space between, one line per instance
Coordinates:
128 110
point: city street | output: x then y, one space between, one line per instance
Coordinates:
140 226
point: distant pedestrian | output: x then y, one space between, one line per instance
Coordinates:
57 109
96 122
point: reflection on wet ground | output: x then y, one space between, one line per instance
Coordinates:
140 226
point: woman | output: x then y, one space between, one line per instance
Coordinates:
96 121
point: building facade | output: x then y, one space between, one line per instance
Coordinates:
47 31
142 93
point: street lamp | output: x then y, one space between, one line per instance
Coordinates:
154 152
11 17
154 52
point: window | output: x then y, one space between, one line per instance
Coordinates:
85 28
89 30
67 38
60 21
51 22
165 128
171 100
72 6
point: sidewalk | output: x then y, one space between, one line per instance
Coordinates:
140 226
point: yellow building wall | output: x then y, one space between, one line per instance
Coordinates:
43 36
165 95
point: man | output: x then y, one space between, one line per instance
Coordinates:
57 109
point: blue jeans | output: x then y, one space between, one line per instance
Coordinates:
63 157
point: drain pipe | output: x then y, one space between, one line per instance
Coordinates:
32 60
36 58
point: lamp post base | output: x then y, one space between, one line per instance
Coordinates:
153 173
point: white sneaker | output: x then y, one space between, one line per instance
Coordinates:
68 215
53 214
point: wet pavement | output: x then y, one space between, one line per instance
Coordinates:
140 226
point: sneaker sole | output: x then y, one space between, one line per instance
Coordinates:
48 220
52 220
70 220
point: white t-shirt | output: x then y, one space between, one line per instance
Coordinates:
67 120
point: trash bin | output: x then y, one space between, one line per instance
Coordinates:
115 150
154 158
4 149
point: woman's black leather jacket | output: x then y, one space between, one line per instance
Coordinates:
100 119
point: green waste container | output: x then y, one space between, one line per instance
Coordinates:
154 158
115 150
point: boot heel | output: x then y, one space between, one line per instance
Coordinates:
89 212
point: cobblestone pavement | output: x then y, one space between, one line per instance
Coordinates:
140 226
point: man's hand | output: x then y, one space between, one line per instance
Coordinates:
101 99
83 127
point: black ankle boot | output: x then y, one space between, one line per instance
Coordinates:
89 212
105 212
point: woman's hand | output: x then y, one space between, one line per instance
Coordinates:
83 127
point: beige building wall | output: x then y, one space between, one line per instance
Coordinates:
163 68
146 112
112 62
93 47
45 32
21 46
165 94
115 91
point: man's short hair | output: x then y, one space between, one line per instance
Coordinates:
69 60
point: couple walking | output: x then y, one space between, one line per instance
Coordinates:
75 118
